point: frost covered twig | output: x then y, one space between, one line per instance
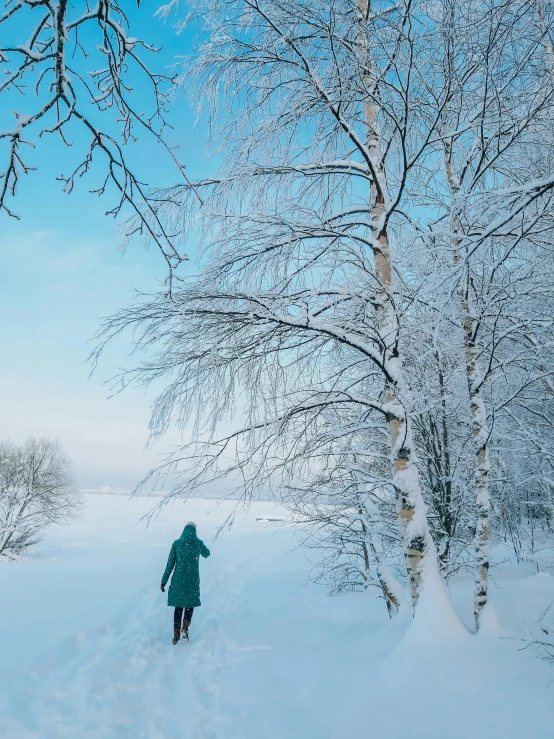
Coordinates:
48 57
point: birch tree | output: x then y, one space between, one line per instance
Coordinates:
354 148
485 126
307 89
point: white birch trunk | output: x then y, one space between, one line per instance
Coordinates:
480 429
390 586
372 527
410 506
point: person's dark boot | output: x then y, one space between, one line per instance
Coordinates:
176 634
186 625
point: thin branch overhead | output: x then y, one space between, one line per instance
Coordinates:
71 70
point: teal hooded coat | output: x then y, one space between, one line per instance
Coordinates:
183 561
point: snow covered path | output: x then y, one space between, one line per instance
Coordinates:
86 646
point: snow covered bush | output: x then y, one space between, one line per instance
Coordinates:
36 490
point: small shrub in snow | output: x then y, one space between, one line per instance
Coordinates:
543 634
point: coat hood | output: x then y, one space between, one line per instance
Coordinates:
189 533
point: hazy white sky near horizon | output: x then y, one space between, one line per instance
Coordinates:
61 271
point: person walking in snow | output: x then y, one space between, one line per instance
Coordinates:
184 590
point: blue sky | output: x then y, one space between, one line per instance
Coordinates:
61 270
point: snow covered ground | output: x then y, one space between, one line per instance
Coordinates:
86 653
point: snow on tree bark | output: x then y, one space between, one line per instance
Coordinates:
478 411
411 508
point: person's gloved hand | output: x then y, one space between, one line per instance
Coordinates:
162 586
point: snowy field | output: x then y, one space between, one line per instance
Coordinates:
86 653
